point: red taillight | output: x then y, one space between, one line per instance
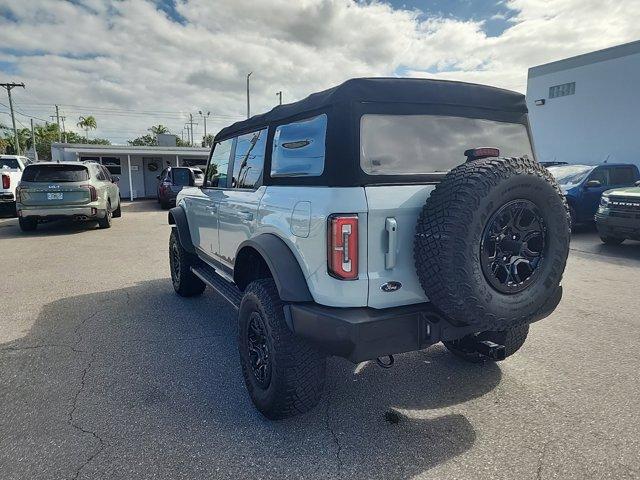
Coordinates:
92 191
6 182
19 194
343 246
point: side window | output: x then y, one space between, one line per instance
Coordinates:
218 165
623 176
249 159
97 172
106 174
602 175
299 148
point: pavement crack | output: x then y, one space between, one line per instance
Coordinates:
41 345
541 459
334 436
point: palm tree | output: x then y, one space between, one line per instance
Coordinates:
158 129
88 122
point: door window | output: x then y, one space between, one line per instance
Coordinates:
249 159
601 175
623 176
219 164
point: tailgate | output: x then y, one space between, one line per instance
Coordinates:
54 194
393 206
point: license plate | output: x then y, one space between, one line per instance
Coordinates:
55 196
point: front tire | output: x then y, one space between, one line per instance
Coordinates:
611 240
28 224
117 213
284 375
185 283
512 339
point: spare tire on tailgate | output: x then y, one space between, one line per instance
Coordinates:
492 242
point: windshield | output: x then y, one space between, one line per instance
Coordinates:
418 144
9 163
570 174
55 173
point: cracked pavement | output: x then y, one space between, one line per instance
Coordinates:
106 373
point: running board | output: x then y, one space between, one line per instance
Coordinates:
227 290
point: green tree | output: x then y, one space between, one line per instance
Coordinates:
159 129
144 140
207 141
87 123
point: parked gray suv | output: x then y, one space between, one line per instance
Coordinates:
378 217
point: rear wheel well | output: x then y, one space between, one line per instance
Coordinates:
249 266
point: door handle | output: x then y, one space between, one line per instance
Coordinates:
391 226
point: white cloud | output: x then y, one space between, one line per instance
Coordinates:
129 55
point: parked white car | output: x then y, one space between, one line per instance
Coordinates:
11 168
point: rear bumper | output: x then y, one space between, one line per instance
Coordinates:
7 197
82 212
627 226
360 334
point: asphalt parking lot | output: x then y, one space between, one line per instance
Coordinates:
106 373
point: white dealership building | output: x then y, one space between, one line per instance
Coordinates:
586 109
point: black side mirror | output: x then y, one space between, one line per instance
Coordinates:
638 183
115 179
593 184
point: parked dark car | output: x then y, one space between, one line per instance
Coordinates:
173 179
583 185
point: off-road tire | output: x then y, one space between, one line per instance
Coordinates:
164 205
573 217
185 283
28 224
449 235
105 222
117 213
297 369
611 240
512 339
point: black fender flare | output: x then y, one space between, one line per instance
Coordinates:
178 218
284 267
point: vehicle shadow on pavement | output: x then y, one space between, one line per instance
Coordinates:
585 239
139 382
47 229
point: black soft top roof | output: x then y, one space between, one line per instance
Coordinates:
412 91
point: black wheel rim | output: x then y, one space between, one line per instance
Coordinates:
175 262
513 246
259 352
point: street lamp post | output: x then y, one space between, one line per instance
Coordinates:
279 95
248 101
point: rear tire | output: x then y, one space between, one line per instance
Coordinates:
105 222
284 374
185 283
117 213
512 339
611 240
164 205
28 224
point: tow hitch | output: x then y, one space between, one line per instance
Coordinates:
490 349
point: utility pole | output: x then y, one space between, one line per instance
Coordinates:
248 101
8 87
58 122
279 95
64 131
33 142
204 117
191 124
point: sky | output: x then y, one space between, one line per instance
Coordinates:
136 63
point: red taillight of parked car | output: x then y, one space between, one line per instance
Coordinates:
343 246
92 192
6 182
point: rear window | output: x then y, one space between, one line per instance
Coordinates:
181 176
55 173
9 163
420 144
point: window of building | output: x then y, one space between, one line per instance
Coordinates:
299 148
249 159
219 164
113 165
562 90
